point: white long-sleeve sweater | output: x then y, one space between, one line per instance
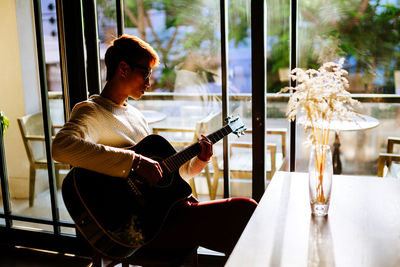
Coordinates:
97 132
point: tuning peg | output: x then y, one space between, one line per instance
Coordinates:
227 119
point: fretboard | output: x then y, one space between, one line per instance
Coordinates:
175 161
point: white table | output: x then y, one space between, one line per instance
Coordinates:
361 122
362 228
353 123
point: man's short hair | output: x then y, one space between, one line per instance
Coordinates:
130 49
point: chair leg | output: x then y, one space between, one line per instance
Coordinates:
193 186
32 180
208 179
97 260
214 187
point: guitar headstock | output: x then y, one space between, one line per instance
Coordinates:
236 124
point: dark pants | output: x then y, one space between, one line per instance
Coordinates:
216 224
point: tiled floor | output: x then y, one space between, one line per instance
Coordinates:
40 209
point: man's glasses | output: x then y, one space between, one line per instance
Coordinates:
146 71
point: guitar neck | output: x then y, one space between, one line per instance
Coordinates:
175 161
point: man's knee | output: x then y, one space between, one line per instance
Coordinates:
244 205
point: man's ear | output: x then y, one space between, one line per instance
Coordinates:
123 68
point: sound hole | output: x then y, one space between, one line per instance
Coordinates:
166 180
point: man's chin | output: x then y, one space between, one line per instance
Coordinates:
136 97
139 95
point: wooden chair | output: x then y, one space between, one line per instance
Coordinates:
240 160
385 159
31 128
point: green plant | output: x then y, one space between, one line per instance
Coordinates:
4 121
366 33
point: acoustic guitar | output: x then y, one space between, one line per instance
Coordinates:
116 215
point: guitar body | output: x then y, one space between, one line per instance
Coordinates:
116 216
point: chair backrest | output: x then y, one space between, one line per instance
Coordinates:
391 141
31 128
209 124
386 159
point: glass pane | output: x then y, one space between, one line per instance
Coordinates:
107 28
68 230
29 190
50 35
51 46
186 87
239 77
278 56
366 34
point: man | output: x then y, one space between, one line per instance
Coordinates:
99 129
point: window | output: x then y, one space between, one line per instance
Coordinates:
189 83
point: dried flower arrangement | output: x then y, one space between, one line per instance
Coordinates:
322 97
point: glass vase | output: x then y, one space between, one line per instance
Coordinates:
320 172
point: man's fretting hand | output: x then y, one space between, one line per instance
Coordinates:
206 149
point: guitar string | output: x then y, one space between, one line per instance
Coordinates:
175 161
187 154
